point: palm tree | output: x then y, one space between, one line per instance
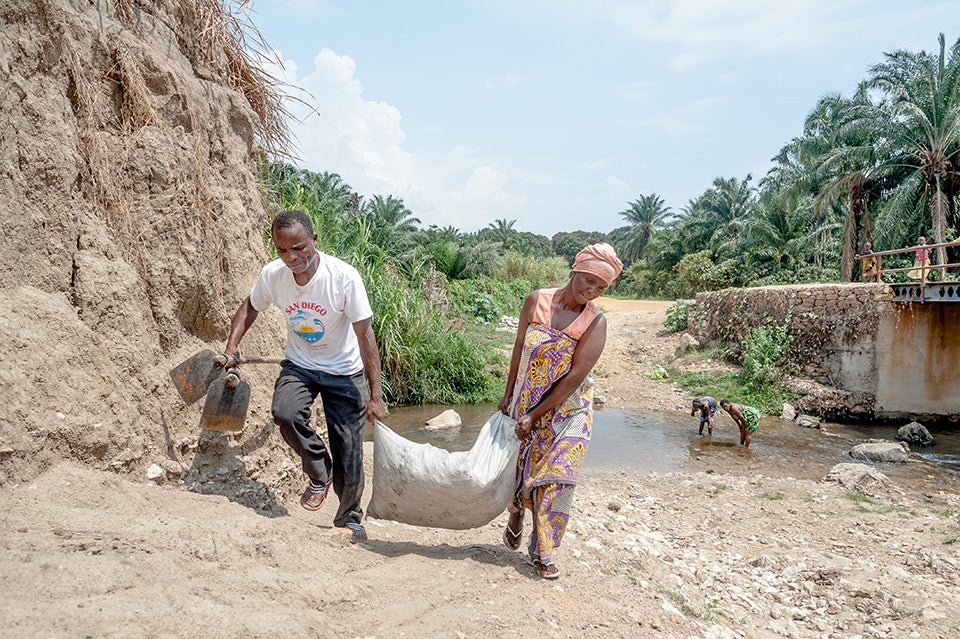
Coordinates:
645 215
716 219
665 248
835 164
785 237
326 191
434 233
461 262
917 116
392 224
502 230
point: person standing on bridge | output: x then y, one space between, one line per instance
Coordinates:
868 265
921 260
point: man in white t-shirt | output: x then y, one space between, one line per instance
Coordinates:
331 352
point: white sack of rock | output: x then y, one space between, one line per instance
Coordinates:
423 485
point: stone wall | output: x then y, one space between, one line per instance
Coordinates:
867 356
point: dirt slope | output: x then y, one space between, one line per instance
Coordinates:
130 223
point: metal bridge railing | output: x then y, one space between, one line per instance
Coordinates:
919 293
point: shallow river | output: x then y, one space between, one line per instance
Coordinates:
654 442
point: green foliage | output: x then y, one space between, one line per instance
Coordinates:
765 353
640 282
659 372
676 317
533 272
736 387
645 215
698 272
458 261
803 274
488 299
716 488
392 225
483 307
567 245
423 360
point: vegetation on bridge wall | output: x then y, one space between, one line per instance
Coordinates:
822 320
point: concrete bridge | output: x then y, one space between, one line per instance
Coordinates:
886 350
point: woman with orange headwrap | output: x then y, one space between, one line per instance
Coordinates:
550 394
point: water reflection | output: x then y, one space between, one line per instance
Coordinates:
654 442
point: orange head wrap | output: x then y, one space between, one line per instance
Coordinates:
599 259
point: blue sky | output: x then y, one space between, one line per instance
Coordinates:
558 114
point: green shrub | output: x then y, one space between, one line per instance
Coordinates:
640 282
423 360
698 272
677 316
537 272
486 299
765 353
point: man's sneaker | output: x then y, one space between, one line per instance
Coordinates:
313 499
358 533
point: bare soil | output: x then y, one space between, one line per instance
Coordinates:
708 554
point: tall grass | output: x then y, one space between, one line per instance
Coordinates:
535 271
737 387
424 360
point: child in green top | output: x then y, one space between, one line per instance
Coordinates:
746 417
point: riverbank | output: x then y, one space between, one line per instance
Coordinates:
678 555
719 552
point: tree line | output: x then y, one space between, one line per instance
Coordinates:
880 166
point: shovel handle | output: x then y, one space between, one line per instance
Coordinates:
232 379
220 360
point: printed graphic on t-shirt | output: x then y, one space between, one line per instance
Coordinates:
307 325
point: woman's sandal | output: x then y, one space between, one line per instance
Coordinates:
546 570
511 539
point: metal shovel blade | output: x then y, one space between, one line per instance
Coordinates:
226 405
195 374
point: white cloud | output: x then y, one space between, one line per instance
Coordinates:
338 130
595 165
750 25
706 28
506 81
341 131
618 187
486 189
689 118
639 92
